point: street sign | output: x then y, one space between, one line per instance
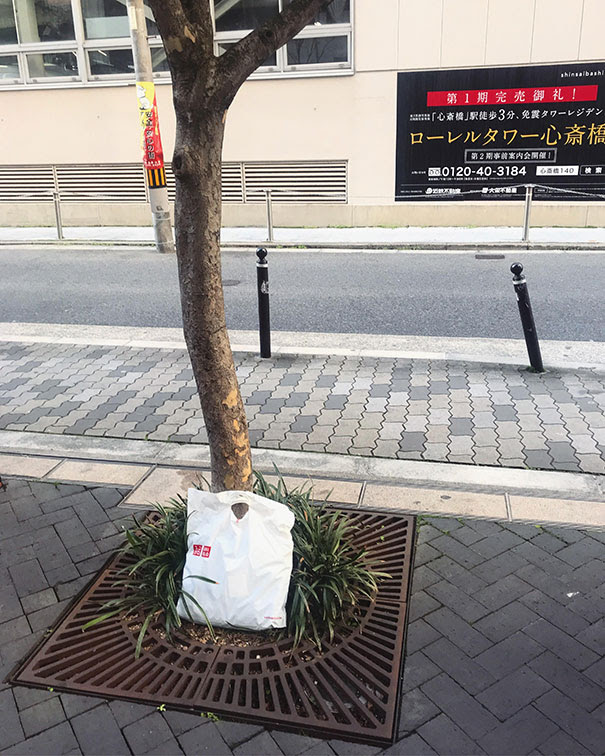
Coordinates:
482 133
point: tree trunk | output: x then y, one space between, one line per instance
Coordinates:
197 168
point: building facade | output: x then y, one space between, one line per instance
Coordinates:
317 124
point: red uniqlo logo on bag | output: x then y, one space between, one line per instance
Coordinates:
199 550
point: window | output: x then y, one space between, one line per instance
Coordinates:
44 20
52 65
111 62
338 12
9 68
109 19
239 15
8 27
323 45
62 42
309 51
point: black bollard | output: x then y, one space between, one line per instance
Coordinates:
264 323
527 317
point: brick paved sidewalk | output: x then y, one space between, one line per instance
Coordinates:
506 646
405 409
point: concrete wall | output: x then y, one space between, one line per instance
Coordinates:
333 117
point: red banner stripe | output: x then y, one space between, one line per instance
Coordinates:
520 96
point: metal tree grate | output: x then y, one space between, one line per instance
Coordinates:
349 691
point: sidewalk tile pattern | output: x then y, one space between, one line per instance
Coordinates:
505 650
404 409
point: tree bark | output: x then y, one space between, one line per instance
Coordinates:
197 168
203 88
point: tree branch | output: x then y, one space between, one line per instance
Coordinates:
241 60
187 32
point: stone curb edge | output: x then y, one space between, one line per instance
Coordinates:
154 479
419 246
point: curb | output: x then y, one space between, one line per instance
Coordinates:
418 246
155 470
243 342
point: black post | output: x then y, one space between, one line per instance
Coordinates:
527 317
264 323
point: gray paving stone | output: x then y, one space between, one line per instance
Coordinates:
572 719
555 612
28 578
147 733
538 460
512 652
463 709
461 427
97 732
458 601
521 734
560 643
126 713
56 740
412 441
513 692
459 632
41 716
568 680
11 731
420 634
261 743
412 745
445 737
561 744
505 413
416 709
292 744
204 739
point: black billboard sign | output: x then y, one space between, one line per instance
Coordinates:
481 133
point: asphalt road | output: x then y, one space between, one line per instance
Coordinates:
400 293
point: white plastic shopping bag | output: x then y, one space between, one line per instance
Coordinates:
250 559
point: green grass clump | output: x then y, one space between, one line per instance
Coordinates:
329 576
152 583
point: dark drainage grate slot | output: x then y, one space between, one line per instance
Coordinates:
231 282
350 691
490 257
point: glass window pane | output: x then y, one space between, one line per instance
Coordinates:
9 67
304 52
159 61
109 18
8 28
235 15
271 60
338 12
52 65
105 18
44 20
111 62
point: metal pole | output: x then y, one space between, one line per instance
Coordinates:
152 148
527 318
529 192
59 220
262 281
269 216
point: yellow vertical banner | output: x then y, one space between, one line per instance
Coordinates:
151 143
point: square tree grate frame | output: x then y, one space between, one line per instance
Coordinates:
350 691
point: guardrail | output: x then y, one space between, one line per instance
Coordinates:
272 195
